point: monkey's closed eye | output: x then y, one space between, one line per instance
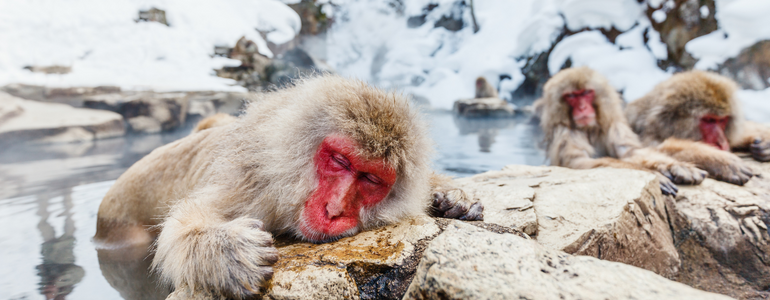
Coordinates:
341 160
373 179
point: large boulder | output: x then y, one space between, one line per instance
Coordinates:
611 214
26 120
467 262
751 68
145 112
721 232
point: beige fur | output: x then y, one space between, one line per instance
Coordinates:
609 142
219 194
673 109
216 120
484 89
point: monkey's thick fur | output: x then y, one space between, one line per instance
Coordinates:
669 116
217 195
484 89
608 143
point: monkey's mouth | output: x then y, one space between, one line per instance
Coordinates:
586 120
309 234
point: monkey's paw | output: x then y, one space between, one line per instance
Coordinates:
729 168
683 173
667 187
456 204
233 259
760 150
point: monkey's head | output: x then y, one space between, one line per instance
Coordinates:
701 106
362 155
578 98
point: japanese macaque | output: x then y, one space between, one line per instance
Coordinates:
581 117
694 117
322 160
484 89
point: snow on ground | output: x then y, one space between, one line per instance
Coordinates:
741 24
104 44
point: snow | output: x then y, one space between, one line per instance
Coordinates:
742 23
104 44
755 105
371 41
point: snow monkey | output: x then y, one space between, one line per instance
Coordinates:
581 117
324 159
484 89
693 116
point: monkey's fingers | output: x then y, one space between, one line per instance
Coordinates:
760 151
667 187
475 213
686 174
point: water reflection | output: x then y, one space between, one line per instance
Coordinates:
128 271
481 144
58 272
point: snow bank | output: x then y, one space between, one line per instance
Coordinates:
742 23
104 44
372 40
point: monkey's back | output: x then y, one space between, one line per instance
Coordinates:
145 192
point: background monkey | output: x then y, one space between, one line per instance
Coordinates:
322 160
584 127
700 106
484 89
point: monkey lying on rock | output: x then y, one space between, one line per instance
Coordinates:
584 127
322 160
695 117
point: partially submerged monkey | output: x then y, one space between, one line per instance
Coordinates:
322 160
691 110
584 127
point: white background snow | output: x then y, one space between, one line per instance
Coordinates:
370 40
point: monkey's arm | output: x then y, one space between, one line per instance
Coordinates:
721 165
452 202
625 145
199 247
755 138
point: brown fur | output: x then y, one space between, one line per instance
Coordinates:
609 142
214 121
484 89
673 109
218 196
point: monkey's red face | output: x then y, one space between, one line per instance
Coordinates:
581 102
347 183
712 128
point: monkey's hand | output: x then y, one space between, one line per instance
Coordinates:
232 258
728 167
760 150
666 186
676 171
456 204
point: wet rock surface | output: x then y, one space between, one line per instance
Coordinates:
33 121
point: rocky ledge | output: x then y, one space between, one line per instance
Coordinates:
551 233
27 120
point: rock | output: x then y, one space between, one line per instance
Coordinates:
54 69
466 262
71 95
579 212
153 15
314 20
483 107
679 22
721 233
51 122
145 112
751 68
9 107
